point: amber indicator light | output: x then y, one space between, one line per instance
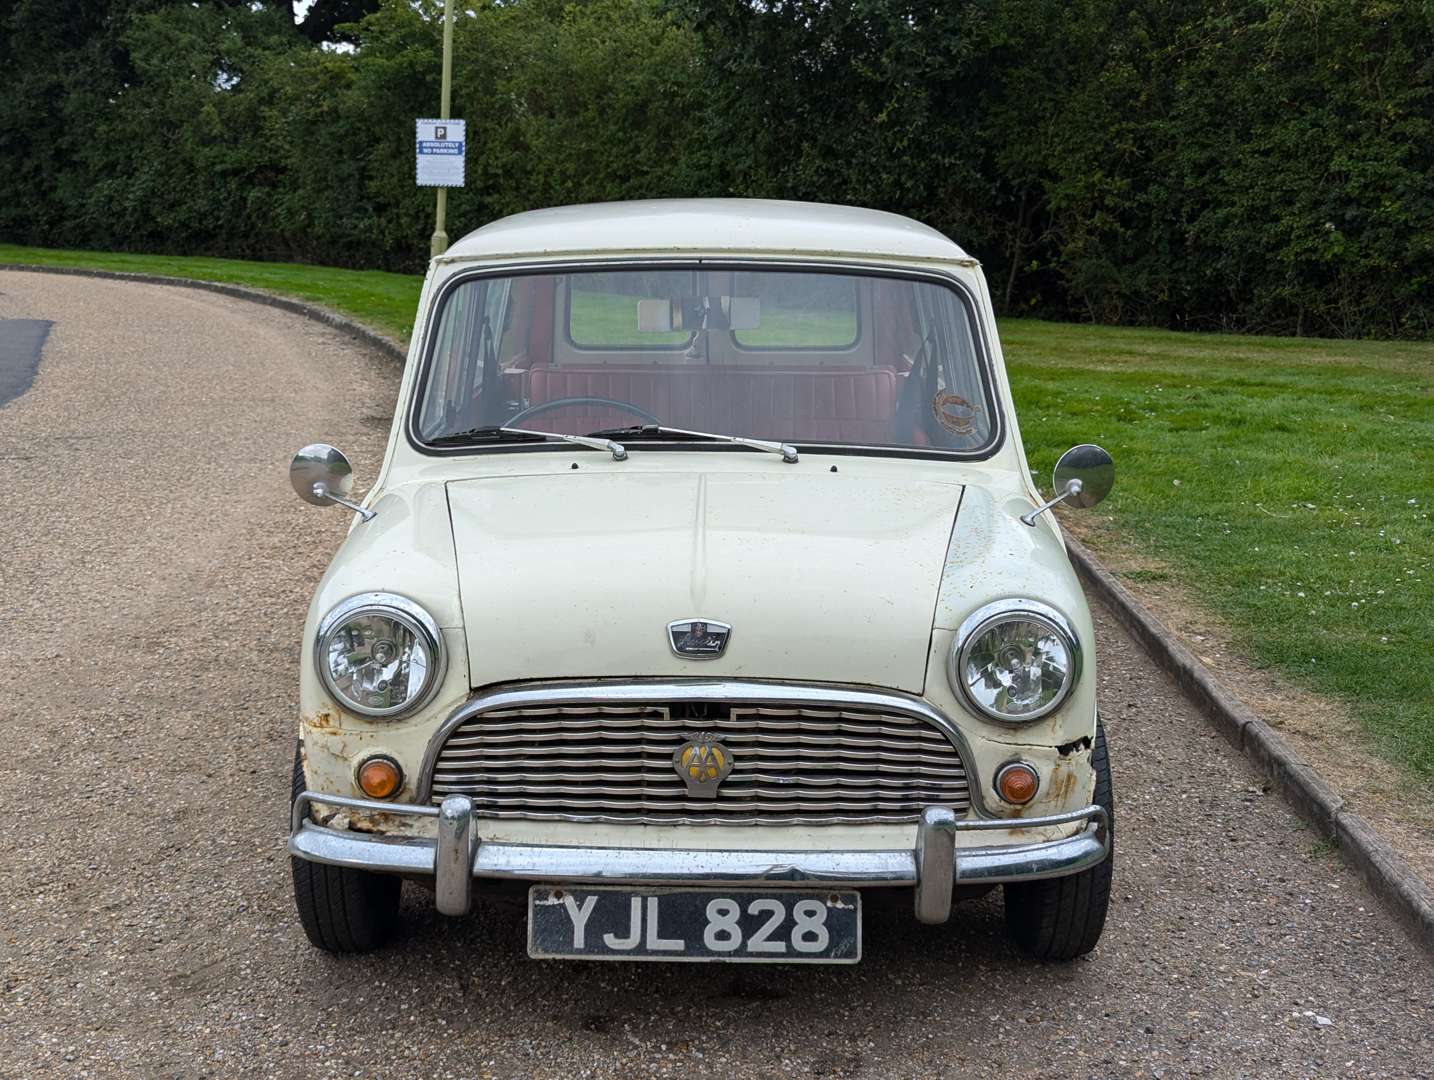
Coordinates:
1017 783
380 777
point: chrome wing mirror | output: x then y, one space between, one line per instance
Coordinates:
1083 477
323 476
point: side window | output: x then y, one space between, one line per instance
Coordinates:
957 412
456 379
495 319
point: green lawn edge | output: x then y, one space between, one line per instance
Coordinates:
382 300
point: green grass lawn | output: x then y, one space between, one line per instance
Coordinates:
384 301
1283 483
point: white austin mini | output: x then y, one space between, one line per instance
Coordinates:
703 590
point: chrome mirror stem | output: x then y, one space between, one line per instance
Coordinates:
1073 487
323 494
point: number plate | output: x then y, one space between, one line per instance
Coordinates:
778 926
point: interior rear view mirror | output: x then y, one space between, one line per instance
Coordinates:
743 312
658 316
654 316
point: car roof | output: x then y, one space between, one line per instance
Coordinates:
765 226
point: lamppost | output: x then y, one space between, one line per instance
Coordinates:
439 244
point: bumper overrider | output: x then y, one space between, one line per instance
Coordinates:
455 857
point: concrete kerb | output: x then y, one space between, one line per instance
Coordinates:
342 323
1406 894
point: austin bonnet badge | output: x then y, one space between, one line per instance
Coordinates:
698 639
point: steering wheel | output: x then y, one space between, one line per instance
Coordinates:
565 402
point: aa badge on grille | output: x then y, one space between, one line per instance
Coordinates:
703 763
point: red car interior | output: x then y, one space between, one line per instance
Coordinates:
844 406
843 403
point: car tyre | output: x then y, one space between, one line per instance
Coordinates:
1062 918
342 910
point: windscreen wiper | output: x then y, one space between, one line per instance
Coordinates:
646 431
508 434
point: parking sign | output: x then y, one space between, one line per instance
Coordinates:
440 145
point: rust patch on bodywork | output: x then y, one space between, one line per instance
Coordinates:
1064 786
1063 781
1067 749
323 720
1073 777
378 822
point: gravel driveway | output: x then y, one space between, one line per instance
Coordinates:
155 568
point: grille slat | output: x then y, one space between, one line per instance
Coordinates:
625 728
660 752
807 734
613 763
693 805
534 795
457 780
828 778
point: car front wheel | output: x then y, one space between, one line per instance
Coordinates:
342 910
1062 918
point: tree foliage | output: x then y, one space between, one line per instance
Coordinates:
1243 164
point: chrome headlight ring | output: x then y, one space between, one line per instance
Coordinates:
356 659
981 622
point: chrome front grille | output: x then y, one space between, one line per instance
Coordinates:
613 762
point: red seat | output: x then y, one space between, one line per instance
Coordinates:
821 405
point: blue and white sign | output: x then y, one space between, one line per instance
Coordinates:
440 153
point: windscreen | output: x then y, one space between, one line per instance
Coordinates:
794 356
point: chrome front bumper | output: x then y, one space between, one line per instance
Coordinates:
933 868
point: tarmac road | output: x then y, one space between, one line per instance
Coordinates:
154 572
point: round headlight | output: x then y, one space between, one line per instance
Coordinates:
379 655
1015 660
